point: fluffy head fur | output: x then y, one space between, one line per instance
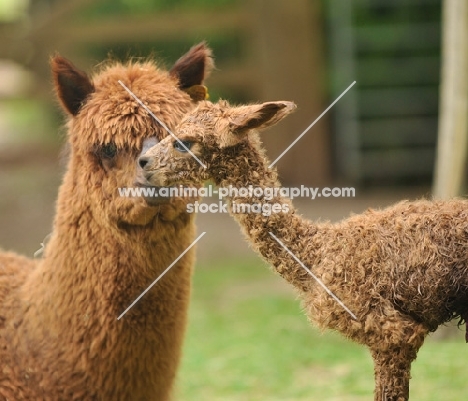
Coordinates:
402 271
213 132
59 334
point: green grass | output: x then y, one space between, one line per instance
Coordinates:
249 340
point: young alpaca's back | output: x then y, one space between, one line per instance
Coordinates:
383 278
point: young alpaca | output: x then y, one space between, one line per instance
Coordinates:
401 271
59 334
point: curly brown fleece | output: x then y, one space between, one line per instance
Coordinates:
402 271
59 334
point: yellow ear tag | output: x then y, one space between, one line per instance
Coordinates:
198 92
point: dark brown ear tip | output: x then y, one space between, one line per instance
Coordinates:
58 61
200 46
56 57
61 65
194 66
72 85
202 52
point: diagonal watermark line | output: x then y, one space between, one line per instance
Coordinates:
162 274
311 125
315 277
161 123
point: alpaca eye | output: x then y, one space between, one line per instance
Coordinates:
109 151
182 146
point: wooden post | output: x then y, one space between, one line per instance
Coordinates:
289 54
453 119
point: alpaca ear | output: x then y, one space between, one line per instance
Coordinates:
192 69
259 116
72 85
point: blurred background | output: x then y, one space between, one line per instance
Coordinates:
248 339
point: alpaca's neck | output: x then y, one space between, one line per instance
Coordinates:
249 167
87 258
262 216
84 254
90 273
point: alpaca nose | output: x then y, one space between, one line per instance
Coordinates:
143 161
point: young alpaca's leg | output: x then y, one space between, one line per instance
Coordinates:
392 373
401 339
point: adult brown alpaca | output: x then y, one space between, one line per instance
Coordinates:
401 271
59 334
